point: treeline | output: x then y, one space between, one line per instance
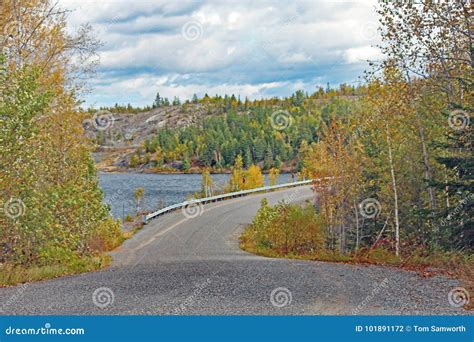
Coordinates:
53 219
223 103
269 132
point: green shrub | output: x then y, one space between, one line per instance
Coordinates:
286 229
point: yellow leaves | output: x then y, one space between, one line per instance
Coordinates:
244 180
335 157
273 175
206 183
253 178
55 174
279 136
235 183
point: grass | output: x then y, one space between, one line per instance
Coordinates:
17 274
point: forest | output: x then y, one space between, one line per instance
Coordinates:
266 132
400 160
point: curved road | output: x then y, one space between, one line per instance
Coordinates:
180 265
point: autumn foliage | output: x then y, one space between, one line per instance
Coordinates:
53 210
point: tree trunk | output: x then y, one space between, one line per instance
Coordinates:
446 189
395 193
426 162
357 226
343 239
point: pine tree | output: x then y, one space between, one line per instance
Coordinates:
268 160
457 221
157 103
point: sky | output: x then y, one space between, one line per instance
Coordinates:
255 49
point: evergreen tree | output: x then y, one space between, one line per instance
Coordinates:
268 160
157 103
457 221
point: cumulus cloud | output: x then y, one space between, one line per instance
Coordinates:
255 49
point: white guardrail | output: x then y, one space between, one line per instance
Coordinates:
195 201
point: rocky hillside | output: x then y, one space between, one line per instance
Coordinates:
119 135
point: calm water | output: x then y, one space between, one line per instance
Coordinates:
160 189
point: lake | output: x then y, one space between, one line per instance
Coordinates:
160 189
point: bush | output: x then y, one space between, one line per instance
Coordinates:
286 229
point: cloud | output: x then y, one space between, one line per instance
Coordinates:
362 54
250 48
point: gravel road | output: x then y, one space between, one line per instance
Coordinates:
177 265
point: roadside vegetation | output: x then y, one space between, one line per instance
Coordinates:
401 160
53 221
